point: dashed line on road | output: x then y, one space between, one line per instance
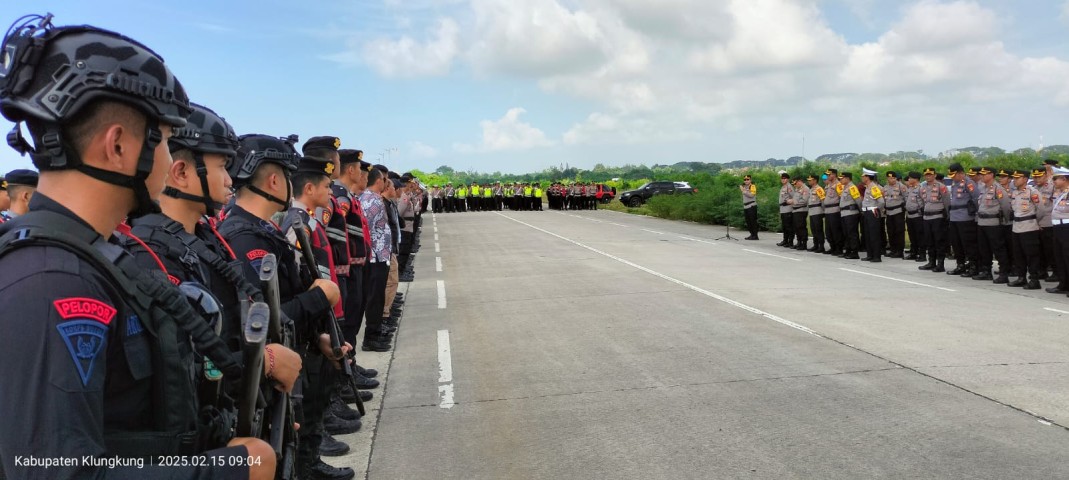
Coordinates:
684 237
652 231
617 224
437 247
445 369
919 284
676 281
438 264
436 229
441 293
436 237
772 255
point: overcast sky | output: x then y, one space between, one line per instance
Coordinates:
520 85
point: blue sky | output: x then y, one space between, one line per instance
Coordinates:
520 85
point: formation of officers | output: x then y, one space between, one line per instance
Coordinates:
977 216
516 196
127 264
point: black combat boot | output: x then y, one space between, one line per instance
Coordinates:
921 257
1032 284
928 266
909 256
1020 282
959 269
984 275
1002 278
939 267
801 245
970 270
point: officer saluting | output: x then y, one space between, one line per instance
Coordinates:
1026 243
76 307
749 205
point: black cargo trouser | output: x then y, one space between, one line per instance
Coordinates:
833 229
963 241
935 238
801 230
786 222
851 238
1061 253
896 232
873 239
816 225
319 381
1046 253
992 247
915 227
751 219
1027 253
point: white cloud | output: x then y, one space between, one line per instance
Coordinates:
607 128
420 150
507 133
408 57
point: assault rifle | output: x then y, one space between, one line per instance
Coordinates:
280 435
312 267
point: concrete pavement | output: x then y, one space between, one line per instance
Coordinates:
605 345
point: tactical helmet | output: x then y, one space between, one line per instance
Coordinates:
205 132
255 149
48 75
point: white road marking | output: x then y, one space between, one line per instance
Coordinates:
437 247
445 361
438 264
700 290
436 237
898 280
772 255
435 229
441 293
697 240
617 224
652 231
1055 310
446 392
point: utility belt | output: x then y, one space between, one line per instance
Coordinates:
831 208
1024 218
912 212
342 270
939 214
959 207
1059 221
987 215
850 207
214 429
803 207
783 204
749 205
895 210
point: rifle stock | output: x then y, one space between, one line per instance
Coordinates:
281 436
249 415
312 266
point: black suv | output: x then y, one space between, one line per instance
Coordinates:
638 196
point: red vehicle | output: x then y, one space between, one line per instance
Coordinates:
605 193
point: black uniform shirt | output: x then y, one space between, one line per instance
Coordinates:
72 360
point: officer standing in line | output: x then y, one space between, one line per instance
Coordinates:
20 187
935 200
1005 180
786 212
1046 230
872 208
1026 201
70 295
1060 220
850 208
499 197
915 218
993 205
800 205
894 194
450 198
816 214
749 205
963 193
833 220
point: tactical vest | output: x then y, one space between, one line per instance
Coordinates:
165 315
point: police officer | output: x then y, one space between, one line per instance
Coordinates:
816 213
1060 222
850 208
935 200
786 212
963 194
894 194
1026 201
914 218
5 200
20 185
1005 180
749 205
262 173
1042 182
993 205
450 198
800 205
872 208
833 220
69 295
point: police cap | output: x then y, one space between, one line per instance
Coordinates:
21 177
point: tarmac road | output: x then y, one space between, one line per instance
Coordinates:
605 345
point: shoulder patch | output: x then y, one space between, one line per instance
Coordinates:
173 279
84 308
256 254
84 340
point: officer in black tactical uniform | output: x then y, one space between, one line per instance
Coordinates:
262 173
110 377
187 248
